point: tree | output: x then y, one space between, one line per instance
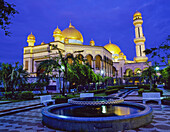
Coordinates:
150 74
166 76
46 71
12 76
160 53
6 11
80 74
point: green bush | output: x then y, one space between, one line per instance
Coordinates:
166 98
140 91
8 95
117 87
26 95
146 86
107 92
98 91
158 90
63 99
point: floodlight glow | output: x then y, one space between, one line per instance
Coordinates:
62 67
157 68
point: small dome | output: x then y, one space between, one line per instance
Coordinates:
42 43
113 48
92 43
72 33
31 37
57 31
137 13
121 53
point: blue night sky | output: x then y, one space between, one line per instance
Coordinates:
97 19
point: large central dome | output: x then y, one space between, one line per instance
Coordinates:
114 49
73 35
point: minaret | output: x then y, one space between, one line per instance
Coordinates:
139 38
92 43
31 39
57 34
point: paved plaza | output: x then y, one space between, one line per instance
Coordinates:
30 120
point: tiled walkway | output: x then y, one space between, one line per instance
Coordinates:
18 104
30 121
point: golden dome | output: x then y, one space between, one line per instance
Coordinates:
72 33
137 13
31 37
57 31
92 43
42 43
114 49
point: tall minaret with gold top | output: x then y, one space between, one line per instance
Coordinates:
139 38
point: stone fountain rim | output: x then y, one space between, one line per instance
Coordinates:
46 112
110 101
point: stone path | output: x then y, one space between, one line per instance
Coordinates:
31 120
18 104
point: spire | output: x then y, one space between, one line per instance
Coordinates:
110 41
70 25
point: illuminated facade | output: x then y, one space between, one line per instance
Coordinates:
109 58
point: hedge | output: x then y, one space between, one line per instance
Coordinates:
97 91
107 92
146 86
63 99
26 95
140 91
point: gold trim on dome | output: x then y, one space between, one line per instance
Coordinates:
43 43
137 13
113 48
72 33
31 37
57 31
92 43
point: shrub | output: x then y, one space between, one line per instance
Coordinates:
113 87
8 95
26 95
158 90
107 92
98 91
63 99
140 91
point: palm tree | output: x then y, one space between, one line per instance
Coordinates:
150 73
46 71
12 76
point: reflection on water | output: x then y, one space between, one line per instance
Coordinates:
96 111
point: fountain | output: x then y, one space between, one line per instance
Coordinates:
96 114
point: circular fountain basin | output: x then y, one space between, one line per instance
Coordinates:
95 101
117 117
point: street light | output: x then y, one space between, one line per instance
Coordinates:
157 68
102 72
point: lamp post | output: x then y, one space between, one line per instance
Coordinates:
157 69
102 73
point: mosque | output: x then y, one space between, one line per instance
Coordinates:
107 61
